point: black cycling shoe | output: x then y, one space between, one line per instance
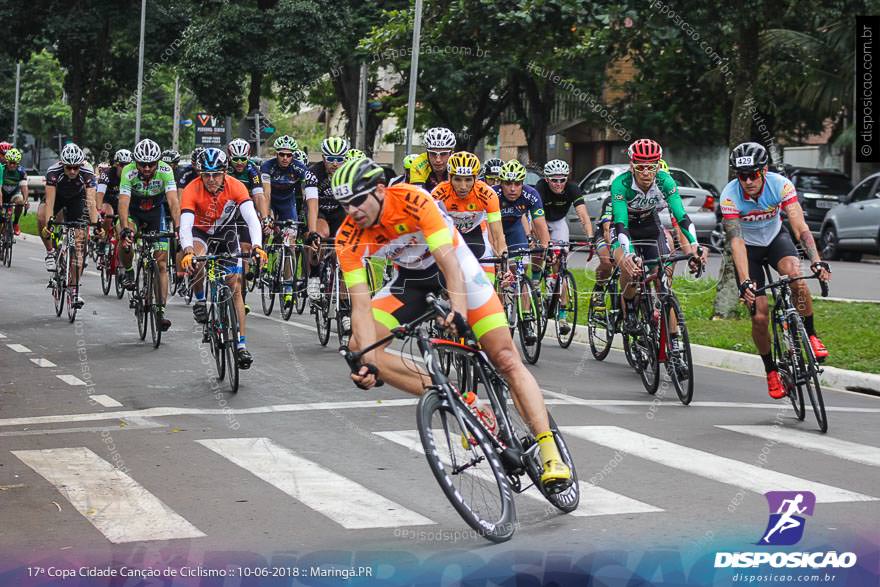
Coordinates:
244 358
164 323
200 312
128 280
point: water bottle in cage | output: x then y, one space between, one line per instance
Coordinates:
289 234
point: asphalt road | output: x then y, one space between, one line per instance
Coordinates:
109 448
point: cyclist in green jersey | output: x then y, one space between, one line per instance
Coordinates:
146 189
636 198
13 180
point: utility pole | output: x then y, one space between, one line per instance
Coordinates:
413 76
175 132
17 94
257 128
140 88
362 110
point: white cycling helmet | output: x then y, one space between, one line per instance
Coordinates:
439 138
556 167
239 148
71 154
285 142
147 151
122 156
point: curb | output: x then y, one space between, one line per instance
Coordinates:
751 364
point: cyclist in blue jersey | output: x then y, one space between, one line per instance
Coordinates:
284 179
188 174
520 205
750 207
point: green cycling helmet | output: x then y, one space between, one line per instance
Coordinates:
355 178
355 154
285 142
13 155
513 170
408 160
334 147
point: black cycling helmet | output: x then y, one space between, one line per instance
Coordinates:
194 159
170 156
749 157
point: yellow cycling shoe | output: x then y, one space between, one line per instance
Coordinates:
556 476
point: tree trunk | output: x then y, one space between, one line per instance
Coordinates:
540 103
727 296
346 86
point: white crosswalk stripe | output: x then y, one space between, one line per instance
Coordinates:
347 503
842 449
595 501
119 507
708 465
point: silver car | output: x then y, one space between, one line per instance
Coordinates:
852 227
698 202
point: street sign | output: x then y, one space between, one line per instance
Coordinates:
186 122
210 130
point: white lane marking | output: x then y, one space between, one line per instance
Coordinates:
119 507
2 336
594 501
106 401
161 412
71 379
132 424
672 403
43 362
90 272
347 503
708 465
842 449
19 348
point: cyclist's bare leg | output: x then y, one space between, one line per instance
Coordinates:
162 261
197 283
803 300
234 281
760 324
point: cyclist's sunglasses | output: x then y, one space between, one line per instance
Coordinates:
749 175
646 167
212 174
439 153
147 165
285 155
239 160
557 179
71 167
356 202
334 158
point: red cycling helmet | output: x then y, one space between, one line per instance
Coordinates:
645 151
4 146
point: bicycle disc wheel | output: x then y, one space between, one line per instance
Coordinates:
231 344
155 327
529 323
467 468
288 268
599 331
680 367
645 348
567 288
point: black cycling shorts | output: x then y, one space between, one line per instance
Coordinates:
334 220
73 208
779 247
649 239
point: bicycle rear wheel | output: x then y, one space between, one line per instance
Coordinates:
322 309
681 366
9 238
467 468
300 294
142 286
215 339
73 290
567 289
529 324
599 329
106 274
269 284
155 327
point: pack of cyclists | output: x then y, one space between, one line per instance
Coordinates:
437 223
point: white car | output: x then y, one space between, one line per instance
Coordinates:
698 202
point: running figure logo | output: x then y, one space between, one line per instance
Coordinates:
786 524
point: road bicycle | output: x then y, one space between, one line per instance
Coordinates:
68 239
559 290
7 234
333 303
521 300
792 353
479 462
145 298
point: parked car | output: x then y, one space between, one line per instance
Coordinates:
36 184
698 202
818 191
533 175
852 227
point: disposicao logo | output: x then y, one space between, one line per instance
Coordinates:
785 528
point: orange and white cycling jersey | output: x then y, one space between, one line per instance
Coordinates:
213 212
411 226
480 206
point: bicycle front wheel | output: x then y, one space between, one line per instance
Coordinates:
287 297
269 283
230 343
809 377
155 296
680 365
567 291
467 468
645 347
142 286
299 285
529 325
73 290
59 283
599 330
